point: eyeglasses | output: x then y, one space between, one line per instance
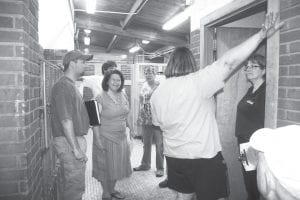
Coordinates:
248 67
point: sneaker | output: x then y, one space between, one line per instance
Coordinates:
141 168
163 184
160 173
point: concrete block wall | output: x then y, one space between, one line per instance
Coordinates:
20 100
289 74
195 45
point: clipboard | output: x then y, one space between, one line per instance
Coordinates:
248 157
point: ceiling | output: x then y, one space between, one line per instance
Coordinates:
113 31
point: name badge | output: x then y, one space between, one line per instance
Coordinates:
250 102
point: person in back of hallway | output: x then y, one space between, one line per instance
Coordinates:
251 114
183 107
70 122
278 174
94 82
148 130
111 152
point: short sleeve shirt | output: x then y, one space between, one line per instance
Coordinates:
184 108
250 113
67 103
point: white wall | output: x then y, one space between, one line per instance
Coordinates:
56 27
203 8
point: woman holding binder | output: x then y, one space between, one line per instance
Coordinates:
111 152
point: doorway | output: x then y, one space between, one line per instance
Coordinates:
220 31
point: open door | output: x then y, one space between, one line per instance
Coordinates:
218 35
227 100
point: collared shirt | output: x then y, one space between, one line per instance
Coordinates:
250 113
184 108
67 103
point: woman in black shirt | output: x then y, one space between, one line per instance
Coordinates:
251 114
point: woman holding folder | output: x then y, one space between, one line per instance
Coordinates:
111 152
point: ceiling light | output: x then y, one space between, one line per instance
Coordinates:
145 41
124 56
134 49
188 2
87 40
178 19
87 31
90 6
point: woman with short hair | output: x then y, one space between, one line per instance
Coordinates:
149 132
251 114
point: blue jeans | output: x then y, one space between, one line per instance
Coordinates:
72 169
150 132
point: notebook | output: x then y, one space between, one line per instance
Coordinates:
93 112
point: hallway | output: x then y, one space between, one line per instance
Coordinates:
140 186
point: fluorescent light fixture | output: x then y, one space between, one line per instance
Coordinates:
90 6
188 2
134 49
87 31
87 40
145 41
178 19
124 56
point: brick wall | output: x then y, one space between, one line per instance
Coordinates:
54 56
195 45
20 132
289 74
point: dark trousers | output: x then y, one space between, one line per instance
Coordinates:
150 132
251 184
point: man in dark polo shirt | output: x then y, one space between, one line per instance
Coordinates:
70 122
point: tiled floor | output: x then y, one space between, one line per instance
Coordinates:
140 186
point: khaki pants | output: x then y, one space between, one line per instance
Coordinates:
73 170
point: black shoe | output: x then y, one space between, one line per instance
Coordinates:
159 173
141 168
163 184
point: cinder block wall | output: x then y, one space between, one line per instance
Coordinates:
289 74
20 131
195 45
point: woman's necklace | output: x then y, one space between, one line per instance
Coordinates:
115 98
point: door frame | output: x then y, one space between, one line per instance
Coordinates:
232 12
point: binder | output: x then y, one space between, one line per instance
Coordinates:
93 112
